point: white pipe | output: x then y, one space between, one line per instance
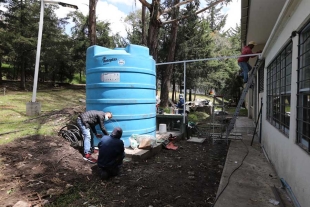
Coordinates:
265 153
36 70
215 58
291 194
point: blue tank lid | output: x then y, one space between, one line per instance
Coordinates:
130 49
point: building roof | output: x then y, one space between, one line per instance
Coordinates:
258 18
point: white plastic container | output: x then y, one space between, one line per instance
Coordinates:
162 128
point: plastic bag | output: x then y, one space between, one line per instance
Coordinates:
142 141
133 141
146 141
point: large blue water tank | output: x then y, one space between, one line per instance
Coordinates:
122 81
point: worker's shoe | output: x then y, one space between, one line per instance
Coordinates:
94 151
89 158
104 175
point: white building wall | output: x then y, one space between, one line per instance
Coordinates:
290 161
250 103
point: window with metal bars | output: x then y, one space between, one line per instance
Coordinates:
261 77
279 89
303 94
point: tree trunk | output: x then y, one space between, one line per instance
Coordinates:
173 90
154 27
22 74
144 42
164 95
175 95
22 69
190 95
195 94
153 32
92 22
80 76
54 75
46 72
0 71
180 85
15 69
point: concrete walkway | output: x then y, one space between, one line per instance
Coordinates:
249 175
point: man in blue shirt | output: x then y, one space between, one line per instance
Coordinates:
111 154
180 104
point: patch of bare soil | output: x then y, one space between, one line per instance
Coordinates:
48 171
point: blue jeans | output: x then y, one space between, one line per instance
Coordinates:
245 67
86 135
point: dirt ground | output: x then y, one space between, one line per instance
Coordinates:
48 171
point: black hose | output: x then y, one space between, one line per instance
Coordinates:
232 174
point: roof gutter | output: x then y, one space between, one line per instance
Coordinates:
245 8
276 26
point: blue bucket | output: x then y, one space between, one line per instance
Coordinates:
122 81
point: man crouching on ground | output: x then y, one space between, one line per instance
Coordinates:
111 154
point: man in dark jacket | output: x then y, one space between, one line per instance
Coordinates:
111 154
87 121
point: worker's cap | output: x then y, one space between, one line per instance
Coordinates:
252 43
181 96
117 133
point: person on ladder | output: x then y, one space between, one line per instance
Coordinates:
243 61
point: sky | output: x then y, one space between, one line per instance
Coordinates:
115 12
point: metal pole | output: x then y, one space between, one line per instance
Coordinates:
256 125
260 124
36 69
206 59
184 105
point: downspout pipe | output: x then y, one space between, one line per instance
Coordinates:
291 194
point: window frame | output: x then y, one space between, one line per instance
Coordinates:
261 77
303 90
279 78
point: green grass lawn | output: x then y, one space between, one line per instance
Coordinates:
242 112
14 122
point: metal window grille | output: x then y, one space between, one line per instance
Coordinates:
261 77
303 94
279 90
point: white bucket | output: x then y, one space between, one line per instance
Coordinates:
162 128
176 111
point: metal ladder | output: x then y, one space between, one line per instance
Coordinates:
244 92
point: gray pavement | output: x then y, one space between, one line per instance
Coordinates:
249 175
